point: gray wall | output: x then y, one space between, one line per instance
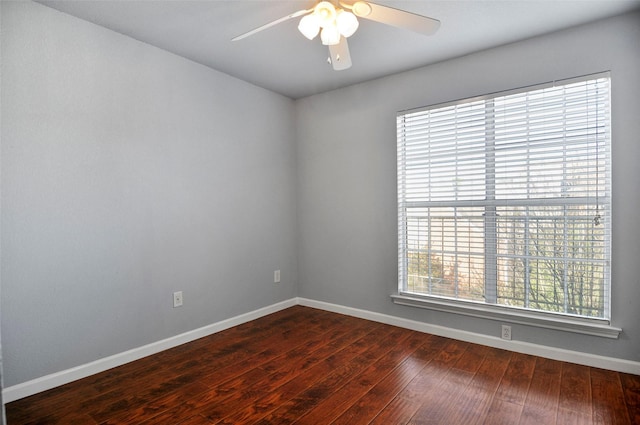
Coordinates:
129 173
347 174
2 420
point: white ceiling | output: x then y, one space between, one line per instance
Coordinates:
282 60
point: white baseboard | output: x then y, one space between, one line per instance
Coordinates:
53 380
611 363
48 382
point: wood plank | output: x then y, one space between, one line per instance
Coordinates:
384 351
472 357
515 382
309 366
335 404
399 411
381 394
541 404
436 406
195 420
146 411
608 398
404 406
228 366
115 385
473 402
286 368
502 412
302 403
575 390
631 389
572 417
425 387
253 406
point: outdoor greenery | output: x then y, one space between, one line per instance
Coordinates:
552 261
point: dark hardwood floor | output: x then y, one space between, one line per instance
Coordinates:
308 366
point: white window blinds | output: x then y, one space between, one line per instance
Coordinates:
505 199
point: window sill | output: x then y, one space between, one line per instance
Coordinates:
595 327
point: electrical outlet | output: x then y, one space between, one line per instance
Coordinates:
177 299
506 332
276 276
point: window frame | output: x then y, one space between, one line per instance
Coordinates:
597 326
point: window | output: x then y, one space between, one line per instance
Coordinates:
504 200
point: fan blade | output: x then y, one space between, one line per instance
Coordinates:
396 17
270 24
340 57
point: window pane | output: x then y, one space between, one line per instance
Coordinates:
505 199
445 252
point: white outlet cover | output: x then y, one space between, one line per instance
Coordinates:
506 332
177 299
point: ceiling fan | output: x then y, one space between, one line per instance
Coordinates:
336 24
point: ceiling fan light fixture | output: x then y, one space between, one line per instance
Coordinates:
361 9
347 23
336 23
326 13
309 26
330 36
